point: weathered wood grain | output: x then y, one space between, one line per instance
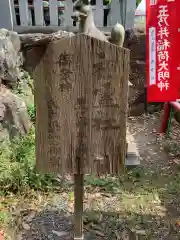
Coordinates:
81 91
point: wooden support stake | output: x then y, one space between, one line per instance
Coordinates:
145 101
78 209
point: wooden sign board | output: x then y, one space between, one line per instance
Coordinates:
81 90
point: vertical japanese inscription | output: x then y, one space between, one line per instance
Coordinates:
163 45
99 67
152 55
53 126
104 70
82 137
65 61
107 98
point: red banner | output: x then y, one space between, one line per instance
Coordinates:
163 50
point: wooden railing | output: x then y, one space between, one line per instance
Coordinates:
27 15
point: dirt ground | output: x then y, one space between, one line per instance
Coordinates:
144 203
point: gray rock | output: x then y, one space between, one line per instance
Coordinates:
10 57
14 119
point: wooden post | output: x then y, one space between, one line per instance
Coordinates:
68 22
145 100
24 12
78 206
164 124
53 10
81 151
13 13
38 12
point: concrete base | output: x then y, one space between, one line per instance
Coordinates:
132 158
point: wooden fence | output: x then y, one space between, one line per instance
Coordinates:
34 15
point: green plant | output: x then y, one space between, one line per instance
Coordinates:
4 217
20 87
32 112
137 2
17 166
105 183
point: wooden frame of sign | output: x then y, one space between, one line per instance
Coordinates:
81 94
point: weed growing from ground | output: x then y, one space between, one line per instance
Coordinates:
17 166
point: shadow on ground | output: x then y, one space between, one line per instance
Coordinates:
55 225
142 204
